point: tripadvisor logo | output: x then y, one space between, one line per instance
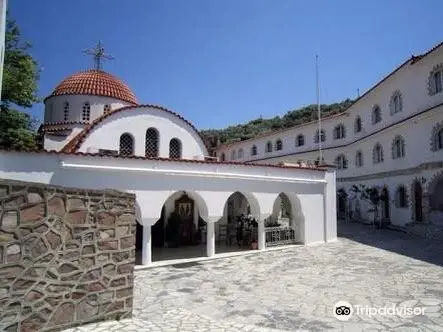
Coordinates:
343 310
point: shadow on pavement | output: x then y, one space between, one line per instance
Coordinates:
428 250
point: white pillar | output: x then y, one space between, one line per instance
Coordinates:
261 234
210 239
146 250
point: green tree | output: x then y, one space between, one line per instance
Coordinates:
19 88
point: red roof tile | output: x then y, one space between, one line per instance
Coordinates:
97 83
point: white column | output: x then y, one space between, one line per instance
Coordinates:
261 234
146 250
210 239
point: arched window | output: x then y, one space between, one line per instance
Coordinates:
358 124
396 103
66 111
376 114
341 161
269 146
437 137
126 145
359 159
278 145
107 109
323 136
254 150
435 80
175 148
398 147
222 157
339 131
401 197
86 111
233 155
151 142
377 154
300 141
439 140
240 153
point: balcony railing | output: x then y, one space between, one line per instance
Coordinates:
278 236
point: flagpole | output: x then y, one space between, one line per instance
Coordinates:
318 112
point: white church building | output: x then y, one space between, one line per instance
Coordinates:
97 135
389 139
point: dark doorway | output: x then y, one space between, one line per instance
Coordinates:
418 199
158 231
341 208
386 204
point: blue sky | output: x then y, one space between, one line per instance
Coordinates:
223 62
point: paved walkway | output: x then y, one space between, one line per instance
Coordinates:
295 289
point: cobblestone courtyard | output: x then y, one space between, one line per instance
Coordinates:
295 289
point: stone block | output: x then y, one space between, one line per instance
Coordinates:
67 268
34 197
122 231
33 323
14 202
121 281
108 244
56 206
76 203
38 248
86 309
105 218
78 217
118 305
63 315
125 268
9 220
12 271
127 242
88 249
32 213
54 240
126 219
125 292
4 191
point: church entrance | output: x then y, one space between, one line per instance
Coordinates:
237 230
180 232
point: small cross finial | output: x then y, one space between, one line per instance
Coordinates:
99 55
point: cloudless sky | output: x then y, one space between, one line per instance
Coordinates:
223 62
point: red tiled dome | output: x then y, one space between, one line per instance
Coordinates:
97 83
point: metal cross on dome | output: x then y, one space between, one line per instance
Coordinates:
99 55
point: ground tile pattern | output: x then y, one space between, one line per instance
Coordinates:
295 289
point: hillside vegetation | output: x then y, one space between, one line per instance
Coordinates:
260 126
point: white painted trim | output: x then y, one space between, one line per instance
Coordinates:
192 173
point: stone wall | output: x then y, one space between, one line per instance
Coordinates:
66 256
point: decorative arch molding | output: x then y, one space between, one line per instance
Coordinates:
434 136
75 144
393 106
432 88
